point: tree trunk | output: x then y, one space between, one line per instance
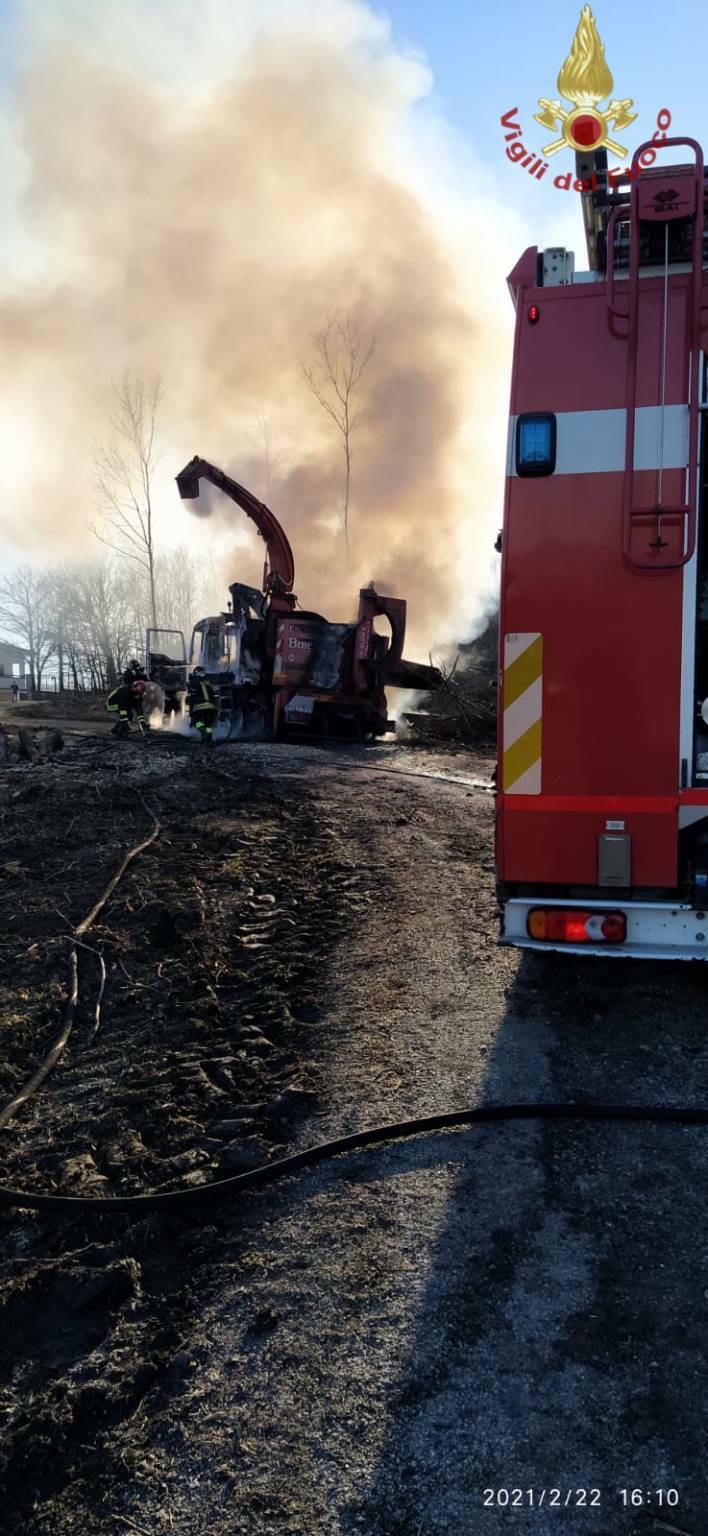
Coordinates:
347 487
32 660
153 599
60 660
150 550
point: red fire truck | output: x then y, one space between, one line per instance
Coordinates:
602 810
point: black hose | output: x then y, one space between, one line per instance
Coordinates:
182 1199
486 786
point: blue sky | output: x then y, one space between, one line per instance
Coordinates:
486 59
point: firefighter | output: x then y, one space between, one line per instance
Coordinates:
134 673
138 689
173 702
126 701
202 706
174 686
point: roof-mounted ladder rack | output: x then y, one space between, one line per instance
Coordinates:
653 199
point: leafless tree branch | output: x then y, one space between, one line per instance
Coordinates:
124 469
342 354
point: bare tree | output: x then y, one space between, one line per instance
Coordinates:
342 353
103 626
124 468
261 433
179 579
63 605
27 610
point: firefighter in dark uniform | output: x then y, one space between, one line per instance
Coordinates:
126 701
173 702
134 673
202 706
173 683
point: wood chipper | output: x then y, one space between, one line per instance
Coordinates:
277 668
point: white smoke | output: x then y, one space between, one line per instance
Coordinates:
194 191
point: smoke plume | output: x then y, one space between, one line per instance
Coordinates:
200 213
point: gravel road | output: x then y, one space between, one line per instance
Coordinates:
395 1342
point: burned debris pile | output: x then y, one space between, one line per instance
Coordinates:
463 708
28 746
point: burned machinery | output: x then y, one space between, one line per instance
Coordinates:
277 668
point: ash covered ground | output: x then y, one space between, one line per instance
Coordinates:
369 1346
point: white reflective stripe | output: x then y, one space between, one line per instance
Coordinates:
689 814
530 782
647 437
515 644
590 442
523 713
593 442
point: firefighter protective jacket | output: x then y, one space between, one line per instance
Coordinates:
200 696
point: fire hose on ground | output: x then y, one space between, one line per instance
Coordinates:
178 1200
185 1200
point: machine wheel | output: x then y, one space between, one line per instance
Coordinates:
248 722
235 724
256 722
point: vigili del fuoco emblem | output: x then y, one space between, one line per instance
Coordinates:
585 80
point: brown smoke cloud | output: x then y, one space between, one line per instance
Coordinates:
208 239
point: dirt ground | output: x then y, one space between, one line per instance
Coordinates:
397 1342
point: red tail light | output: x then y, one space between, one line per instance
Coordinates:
534 314
568 926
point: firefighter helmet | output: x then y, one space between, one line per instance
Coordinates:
198 672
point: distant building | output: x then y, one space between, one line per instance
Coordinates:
14 666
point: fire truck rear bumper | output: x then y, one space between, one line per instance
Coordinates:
655 930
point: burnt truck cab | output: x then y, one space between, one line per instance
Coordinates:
166 669
602 809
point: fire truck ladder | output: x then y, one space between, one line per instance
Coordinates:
654 198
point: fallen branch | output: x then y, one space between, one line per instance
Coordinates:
102 968
87 921
663 1525
131 1525
53 1055
57 1049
